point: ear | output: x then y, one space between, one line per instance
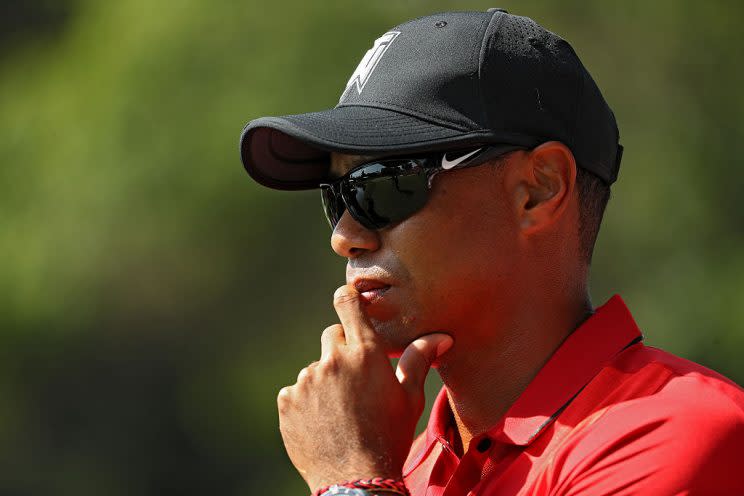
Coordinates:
544 185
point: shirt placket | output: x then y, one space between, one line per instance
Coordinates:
480 458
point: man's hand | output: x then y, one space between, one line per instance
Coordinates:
349 416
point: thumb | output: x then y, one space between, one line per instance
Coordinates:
416 360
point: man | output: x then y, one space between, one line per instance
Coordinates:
465 172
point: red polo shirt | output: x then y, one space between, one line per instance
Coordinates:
605 415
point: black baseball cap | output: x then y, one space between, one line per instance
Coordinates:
447 81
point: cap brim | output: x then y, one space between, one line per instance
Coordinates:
292 152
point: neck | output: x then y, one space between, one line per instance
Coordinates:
514 353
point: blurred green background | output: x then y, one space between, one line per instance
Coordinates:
153 300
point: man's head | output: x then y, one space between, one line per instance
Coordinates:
519 227
494 234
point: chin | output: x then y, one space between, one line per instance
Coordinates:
396 336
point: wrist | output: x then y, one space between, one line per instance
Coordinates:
364 487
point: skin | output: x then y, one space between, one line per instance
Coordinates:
489 269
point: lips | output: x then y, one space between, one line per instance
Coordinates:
371 290
364 285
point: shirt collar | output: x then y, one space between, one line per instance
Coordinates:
581 356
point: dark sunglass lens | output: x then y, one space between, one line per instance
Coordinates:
387 199
333 205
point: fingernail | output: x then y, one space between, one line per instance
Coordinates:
444 345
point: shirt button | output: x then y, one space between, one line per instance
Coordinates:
483 445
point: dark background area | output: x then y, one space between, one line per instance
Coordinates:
153 299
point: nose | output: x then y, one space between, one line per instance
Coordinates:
351 239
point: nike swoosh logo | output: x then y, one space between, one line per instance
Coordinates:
448 164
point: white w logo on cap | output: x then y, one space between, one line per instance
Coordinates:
369 62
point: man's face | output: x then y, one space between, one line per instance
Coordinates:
450 265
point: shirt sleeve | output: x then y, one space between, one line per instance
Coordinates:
687 446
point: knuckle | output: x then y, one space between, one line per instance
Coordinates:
284 396
331 331
302 375
331 363
305 374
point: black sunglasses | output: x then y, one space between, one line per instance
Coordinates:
384 192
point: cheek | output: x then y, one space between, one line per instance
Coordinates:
459 250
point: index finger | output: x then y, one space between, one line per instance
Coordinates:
350 309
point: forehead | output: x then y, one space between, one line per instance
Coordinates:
342 163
